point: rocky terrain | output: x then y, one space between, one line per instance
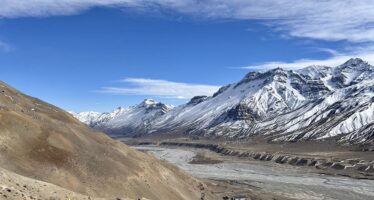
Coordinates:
45 153
314 103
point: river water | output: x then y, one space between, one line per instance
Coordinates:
282 180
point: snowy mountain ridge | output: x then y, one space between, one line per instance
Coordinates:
131 120
313 103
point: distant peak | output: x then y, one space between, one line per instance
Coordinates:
274 74
316 67
119 108
354 62
149 101
315 71
277 69
255 74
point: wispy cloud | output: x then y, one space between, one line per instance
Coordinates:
161 88
5 47
331 20
333 61
349 20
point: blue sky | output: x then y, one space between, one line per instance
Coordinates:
88 55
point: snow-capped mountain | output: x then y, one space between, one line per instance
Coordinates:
316 102
130 121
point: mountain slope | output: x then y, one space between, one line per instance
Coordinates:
314 103
42 142
132 121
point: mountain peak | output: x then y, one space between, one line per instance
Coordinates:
147 102
272 74
277 69
118 110
355 63
150 104
315 71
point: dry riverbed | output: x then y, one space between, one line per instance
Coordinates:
261 180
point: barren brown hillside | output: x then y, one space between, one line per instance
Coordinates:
43 142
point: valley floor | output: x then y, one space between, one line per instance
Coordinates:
231 175
264 180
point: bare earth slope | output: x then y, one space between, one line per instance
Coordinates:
43 142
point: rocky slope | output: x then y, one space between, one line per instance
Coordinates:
43 144
314 103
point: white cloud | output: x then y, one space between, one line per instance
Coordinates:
351 20
333 61
22 8
331 20
161 88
